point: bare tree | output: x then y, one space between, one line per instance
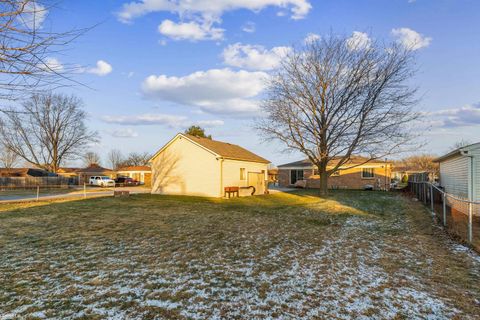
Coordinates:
27 49
136 159
8 159
333 99
46 130
460 144
115 158
422 162
91 158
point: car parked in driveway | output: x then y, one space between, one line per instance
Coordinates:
101 181
126 181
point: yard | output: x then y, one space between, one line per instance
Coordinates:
286 255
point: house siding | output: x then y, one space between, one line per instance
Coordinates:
476 174
231 174
184 168
454 175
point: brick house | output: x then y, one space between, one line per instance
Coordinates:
375 174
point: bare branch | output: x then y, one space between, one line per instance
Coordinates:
331 101
49 130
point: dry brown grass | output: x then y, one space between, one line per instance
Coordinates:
352 255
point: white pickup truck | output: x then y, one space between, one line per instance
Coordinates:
101 181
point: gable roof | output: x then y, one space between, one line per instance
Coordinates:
458 152
354 160
67 170
134 168
94 168
222 149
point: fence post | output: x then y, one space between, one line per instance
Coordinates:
470 214
431 197
84 190
424 192
444 209
38 192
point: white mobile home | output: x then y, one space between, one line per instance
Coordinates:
189 165
460 172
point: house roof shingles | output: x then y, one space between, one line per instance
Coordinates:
94 168
135 168
355 160
227 150
23 172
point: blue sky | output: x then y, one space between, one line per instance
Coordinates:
168 64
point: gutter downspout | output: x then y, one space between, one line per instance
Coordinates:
471 180
470 195
221 176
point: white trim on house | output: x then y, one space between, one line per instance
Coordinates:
180 135
460 172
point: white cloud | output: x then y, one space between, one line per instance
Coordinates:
359 41
171 121
200 17
189 31
102 68
208 123
254 57
123 133
411 39
468 115
52 65
249 27
220 91
34 15
311 37
209 9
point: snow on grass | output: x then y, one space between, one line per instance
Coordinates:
356 257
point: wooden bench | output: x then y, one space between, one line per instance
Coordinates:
122 193
231 191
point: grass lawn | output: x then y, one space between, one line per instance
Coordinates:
290 256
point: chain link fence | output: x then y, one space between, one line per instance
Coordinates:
12 193
460 217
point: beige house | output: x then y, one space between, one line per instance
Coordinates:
357 173
189 165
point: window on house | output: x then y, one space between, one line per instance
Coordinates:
368 173
315 172
242 174
295 175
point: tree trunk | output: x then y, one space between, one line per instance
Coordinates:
323 181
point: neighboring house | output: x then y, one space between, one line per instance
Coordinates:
189 165
93 170
460 172
143 174
373 174
68 172
24 172
273 176
402 173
